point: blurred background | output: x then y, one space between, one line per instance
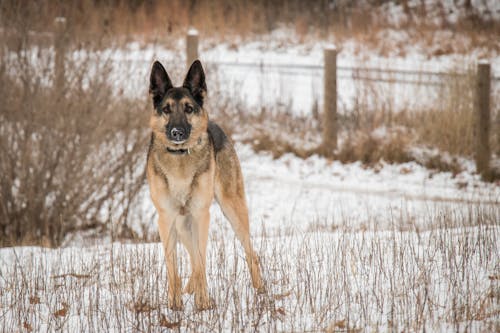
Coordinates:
408 86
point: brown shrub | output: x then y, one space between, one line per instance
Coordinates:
370 148
92 19
70 156
449 127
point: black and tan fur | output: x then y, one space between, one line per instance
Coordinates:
191 161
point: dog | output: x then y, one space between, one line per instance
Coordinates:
190 161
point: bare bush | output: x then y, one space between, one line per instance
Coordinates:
70 154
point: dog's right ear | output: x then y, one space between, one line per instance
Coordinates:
159 83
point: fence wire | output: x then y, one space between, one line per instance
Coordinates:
374 74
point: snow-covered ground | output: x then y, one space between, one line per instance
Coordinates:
342 246
290 194
445 279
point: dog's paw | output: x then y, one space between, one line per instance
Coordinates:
206 303
261 289
175 303
259 286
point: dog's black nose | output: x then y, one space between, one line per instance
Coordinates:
178 134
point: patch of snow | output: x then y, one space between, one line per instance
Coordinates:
192 32
365 280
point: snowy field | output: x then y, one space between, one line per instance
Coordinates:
446 279
342 247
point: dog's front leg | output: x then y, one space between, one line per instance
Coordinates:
168 236
200 221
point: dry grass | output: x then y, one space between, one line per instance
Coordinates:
450 126
225 19
445 278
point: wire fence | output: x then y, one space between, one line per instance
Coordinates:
481 83
374 74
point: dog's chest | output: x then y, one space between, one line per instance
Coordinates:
180 187
182 178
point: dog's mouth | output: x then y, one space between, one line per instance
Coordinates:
184 147
177 147
178 151
177 142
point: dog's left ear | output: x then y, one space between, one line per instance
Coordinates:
195 82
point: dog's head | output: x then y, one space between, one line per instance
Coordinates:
179 118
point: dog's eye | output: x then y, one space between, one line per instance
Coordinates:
188 109
166 109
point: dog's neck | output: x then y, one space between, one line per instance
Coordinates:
185 151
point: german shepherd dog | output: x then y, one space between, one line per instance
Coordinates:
190 160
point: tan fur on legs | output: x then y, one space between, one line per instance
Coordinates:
199 239
194 236
168 238
193 233
189 288
235 210
195 257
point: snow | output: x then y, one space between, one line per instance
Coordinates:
60 20
439 280
289 191
192 32
312 220
439 12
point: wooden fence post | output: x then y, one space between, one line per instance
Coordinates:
330 101
482 111
191 46
60 53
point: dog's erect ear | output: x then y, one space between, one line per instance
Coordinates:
159 83
195 82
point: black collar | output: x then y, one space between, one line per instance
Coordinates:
178 151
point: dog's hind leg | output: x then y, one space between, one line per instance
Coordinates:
231 197
169 239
